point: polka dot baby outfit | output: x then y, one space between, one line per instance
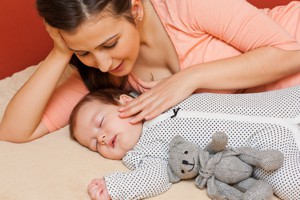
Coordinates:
260 120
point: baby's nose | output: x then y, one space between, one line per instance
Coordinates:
101 139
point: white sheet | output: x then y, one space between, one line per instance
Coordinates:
57 168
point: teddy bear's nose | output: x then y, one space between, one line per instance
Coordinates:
185 162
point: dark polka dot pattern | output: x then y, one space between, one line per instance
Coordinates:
263 120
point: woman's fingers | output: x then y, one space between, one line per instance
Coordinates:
151 111
148 106
146 109
141 105
164 95
58 40
53 32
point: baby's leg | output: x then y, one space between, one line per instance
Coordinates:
285 181
272 117
279 104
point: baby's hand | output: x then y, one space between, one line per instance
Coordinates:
97 190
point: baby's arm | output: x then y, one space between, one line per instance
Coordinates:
148 179
97 190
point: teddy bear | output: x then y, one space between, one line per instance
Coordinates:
226 172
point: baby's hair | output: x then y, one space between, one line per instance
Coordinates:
108 96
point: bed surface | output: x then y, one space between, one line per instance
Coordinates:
53 167
57 168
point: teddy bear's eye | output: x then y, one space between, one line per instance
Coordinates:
186 152
182 171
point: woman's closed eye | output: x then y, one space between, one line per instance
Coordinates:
81 54
110 45
107 46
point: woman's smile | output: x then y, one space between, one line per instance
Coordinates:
117 69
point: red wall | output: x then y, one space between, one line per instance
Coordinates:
24 41
268 3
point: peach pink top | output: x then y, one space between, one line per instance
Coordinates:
203 31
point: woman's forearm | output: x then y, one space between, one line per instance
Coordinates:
257 67
25 110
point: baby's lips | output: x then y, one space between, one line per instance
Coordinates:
112 141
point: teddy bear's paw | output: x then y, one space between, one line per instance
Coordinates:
270 159
261 190
224 191
265 159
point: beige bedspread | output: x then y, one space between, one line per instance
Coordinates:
57 168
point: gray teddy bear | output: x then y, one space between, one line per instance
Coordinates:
226 172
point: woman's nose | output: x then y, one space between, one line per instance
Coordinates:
103 61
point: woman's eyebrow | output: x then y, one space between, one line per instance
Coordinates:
103 43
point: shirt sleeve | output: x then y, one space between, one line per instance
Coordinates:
148 180
65 97
239 24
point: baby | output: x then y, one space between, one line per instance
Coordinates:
263 120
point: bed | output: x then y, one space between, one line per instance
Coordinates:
56 167
53 167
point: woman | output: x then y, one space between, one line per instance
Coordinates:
174 47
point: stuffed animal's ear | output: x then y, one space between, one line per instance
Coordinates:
176 140
172 177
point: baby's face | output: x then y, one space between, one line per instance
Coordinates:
99 128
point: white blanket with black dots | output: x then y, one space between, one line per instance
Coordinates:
268 120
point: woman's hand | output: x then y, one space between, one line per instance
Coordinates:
97 190
59 43
41 85
166 93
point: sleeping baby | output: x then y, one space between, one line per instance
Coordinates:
267 120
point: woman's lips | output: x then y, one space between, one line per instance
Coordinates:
118 68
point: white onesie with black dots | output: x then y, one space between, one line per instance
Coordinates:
268 120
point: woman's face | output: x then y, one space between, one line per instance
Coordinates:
108 43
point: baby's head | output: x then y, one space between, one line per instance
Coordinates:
95 124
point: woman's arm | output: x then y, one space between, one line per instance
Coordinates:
272 54
22 119
25 110
256 67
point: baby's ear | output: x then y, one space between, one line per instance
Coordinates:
123 99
